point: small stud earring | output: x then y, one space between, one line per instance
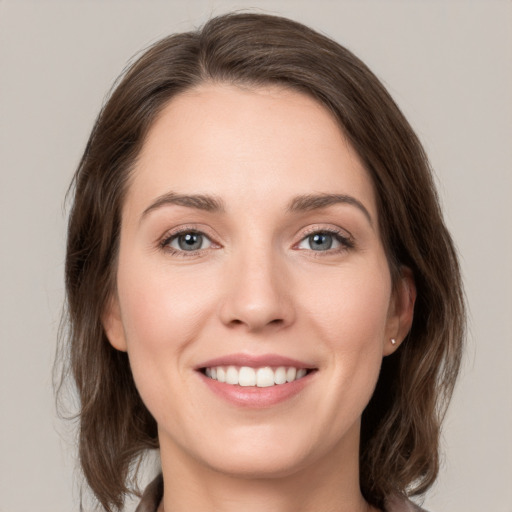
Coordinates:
393 341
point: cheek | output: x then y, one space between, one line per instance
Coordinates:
160 308
162 314
351 319
351 305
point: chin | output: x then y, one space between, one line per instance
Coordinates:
262 465
264 452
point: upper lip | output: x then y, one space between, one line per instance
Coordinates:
254 361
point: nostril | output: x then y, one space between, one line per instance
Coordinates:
277 322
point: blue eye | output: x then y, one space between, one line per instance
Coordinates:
188 241
322 241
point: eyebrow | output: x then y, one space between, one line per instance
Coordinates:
197 201
302 203
310 202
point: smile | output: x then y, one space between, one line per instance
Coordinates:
256 381
247 376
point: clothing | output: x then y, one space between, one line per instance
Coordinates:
155 490
396 504
152 495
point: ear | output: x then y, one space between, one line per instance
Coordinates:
113 325
401 311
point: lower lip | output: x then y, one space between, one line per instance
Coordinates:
252 396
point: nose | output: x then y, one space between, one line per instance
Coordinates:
258 296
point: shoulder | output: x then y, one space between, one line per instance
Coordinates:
400 504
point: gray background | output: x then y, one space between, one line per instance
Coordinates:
448 64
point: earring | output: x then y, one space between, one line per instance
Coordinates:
393 341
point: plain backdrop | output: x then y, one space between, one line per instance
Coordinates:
448 64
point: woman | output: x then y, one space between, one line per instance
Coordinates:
259 280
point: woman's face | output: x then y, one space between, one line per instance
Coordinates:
250 252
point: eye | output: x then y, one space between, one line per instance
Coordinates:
188 241
324 241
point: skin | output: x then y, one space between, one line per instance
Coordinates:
256 286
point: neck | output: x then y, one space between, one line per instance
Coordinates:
325 486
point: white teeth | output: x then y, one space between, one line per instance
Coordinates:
221 374
291 373
247 376
232 375
280 375
300 373
259 377
264 377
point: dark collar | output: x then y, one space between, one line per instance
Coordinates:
152 495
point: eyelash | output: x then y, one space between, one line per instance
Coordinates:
168 238
346 242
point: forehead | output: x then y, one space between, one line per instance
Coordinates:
264 144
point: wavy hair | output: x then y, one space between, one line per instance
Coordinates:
401 424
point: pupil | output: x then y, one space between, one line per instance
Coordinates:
321 241
190 241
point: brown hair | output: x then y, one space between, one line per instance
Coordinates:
400 426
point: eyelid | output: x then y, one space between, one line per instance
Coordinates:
175 239
171 234
345 238
342 235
